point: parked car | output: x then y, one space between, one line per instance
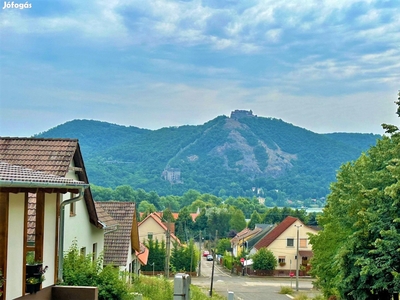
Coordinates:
209 257
205 253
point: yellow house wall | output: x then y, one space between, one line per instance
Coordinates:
150 225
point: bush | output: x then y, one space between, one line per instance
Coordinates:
80 270
301 296
286 290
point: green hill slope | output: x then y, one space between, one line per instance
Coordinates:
226 156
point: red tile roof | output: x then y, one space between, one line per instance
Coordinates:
275 233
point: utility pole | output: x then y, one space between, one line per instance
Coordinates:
212 271
297 257
167 250
200 253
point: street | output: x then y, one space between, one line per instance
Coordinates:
245 287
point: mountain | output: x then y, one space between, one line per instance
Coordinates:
241 155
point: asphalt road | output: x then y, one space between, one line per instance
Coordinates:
246 287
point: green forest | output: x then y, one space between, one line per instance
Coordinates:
246 157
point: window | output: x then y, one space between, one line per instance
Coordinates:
94 252
303 243
150 235
72 209
83 251
282 260
290 243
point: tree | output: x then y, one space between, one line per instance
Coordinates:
184 258
237 221
124 193
254 219
356 254
184 225
223 245
264 259
146 207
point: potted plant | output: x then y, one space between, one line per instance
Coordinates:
282 264
32 266
33 281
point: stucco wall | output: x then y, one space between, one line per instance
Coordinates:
50 234
15 248
150 225
279 246
78 227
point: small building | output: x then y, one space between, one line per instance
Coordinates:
282 241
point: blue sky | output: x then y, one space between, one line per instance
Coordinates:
328 66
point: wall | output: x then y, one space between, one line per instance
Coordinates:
50 241
15 248
78 227
279 246
151 225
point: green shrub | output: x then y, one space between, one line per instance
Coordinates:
80 270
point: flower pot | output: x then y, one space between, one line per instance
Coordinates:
32 288
32 270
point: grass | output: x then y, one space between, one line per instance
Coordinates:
156 288
286 290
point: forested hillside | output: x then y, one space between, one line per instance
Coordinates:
247 156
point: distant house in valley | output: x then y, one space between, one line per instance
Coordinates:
121 245
152 227
282 241
247 238
72 210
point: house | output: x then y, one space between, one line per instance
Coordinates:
121 245
153 227
239 242
282 240
63 158
15 184
247 238
73 214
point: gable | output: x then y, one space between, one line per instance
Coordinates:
52 156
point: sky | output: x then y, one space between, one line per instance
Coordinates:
324 65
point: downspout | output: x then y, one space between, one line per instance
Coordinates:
61 233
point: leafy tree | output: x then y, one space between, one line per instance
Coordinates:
184 258
356 254
218 220
254 219
101 193
146 207
201 221
80 270
223 245
189 197
167 215
237 221
157 253
264 259
184 224
124 193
